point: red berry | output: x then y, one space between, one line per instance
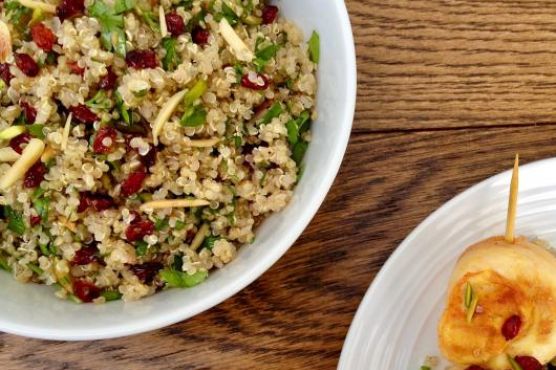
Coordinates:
29 111
270 13
175 24
105 141
85 255
511 327
141 59
27 65
200 36
83 113
43 36
34 220
85 290
146 271
35 175
99 202
5 73
133 183
137 230
261 82
69 8
19 142
528 363
108 82
474 367
74 68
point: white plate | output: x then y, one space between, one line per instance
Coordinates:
395 325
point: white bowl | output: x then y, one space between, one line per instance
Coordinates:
34 311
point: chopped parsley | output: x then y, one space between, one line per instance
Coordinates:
314 47
179 279
171 58
112 33
15 220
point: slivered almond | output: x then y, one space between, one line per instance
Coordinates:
174 203
239 49
5 42
8 155
205 143
11 132
33 4
165 114
31 154
162 21
199 237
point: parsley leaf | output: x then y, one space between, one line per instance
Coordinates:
15 220
112 34
171 59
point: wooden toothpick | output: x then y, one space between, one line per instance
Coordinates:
512 203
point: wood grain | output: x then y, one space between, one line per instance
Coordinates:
449 92
439 63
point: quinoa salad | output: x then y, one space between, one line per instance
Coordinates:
143 142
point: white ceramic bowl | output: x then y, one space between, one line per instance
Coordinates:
34 311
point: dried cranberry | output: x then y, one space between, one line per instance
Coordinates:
43 36
74 68
146 271
511 327
19 142
200 36
85 290
175 24
35 175
148 160
105 140
83 113
141 59
137 230
85 255
5 73
108 82
134 182
69 8
34 220
528 363
474 367
255 85
270 13
27 64
99 202
29 111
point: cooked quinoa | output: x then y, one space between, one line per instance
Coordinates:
142 142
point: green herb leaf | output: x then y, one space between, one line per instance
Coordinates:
141 248
178 279
268 52
299 151
229 14
4 265
178 262
111 295
123 109
150 19
122 6
100 101
314 47
18 15
171 59
112 27
161 224
42 207
194 117
425 368
293 132
180 225
209 241
514 364
195 93
35 268
303 122
275 111
15 221
36 131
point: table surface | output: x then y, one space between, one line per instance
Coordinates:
448 92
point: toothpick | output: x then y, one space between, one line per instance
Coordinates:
512 203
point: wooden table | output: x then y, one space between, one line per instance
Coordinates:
448 92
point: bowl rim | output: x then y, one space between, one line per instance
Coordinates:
256 271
